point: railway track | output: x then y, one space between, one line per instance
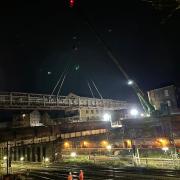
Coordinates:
96 173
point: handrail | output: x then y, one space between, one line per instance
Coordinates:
15 100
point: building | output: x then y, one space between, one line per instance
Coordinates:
165 99
80 114
84 114
27 119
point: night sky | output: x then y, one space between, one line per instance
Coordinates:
38 41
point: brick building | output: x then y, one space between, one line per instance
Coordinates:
165 99
27 119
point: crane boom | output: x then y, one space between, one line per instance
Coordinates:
148 108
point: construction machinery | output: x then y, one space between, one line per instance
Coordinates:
146 105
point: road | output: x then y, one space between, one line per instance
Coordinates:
58 171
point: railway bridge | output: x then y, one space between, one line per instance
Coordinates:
43 141
36 143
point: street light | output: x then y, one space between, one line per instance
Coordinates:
107 117
85 143
46 159
104 143
22 159
73 154
66 145
109 147
5 158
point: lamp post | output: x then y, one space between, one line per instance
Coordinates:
174 156
107 118
7 157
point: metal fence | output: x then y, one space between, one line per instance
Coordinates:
156 158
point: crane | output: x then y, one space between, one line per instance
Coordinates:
146 105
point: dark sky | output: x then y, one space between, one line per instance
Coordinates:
37 38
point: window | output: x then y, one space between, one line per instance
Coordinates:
166 93
87 111
92 111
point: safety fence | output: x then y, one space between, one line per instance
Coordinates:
156 158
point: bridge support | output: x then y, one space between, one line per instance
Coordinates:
31 153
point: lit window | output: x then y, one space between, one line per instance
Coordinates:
166 93
169 103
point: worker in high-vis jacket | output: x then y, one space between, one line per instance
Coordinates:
81 175
70 177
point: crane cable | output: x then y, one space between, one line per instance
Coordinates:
59 80
90 89
97 89
54 89
62 82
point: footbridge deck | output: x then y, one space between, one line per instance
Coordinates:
29 101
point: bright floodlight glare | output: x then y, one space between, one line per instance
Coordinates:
106 117
165 149
142 115
130 82
5 157
73 154
148 115
134 112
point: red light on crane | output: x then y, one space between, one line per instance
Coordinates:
71 3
